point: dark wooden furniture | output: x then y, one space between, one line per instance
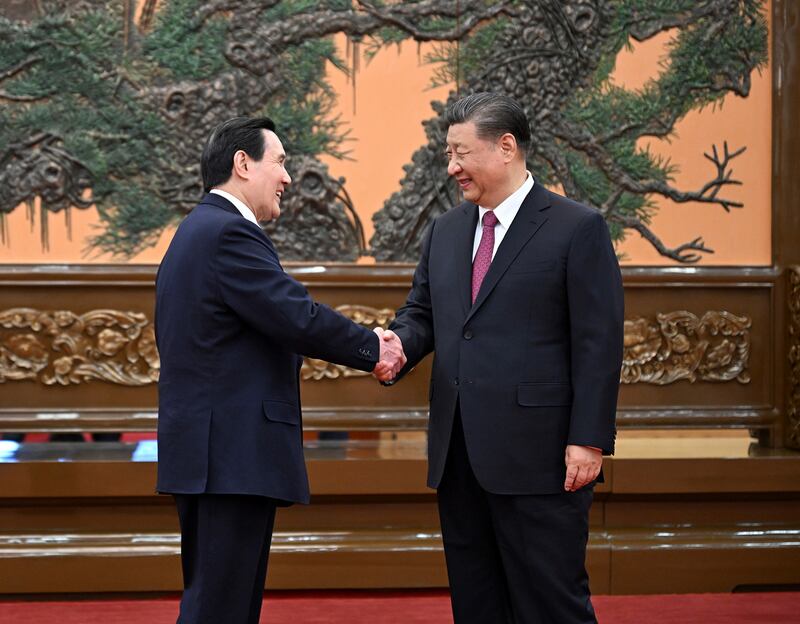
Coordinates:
675 515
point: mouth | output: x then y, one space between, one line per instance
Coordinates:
279 194
464 182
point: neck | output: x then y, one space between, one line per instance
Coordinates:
234 190
518 178
514 181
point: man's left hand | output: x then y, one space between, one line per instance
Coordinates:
583 466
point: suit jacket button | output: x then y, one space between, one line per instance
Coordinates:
455 381
468 335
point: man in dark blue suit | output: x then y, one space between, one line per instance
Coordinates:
231 327
518 291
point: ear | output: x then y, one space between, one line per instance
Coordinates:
508 147
240 169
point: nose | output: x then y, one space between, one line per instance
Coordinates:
287 179
453 167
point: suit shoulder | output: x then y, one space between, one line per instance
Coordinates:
568 205
200 229
211 221
570 211
210 214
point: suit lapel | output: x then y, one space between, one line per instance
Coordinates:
464 237
527 222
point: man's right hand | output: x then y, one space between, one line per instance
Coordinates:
392 358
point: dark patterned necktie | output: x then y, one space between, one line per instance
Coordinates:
483 258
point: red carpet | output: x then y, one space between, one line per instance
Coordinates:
416 607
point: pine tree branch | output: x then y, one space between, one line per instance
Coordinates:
4 95
643 27
684 253
610 205
402 17
19 67
313 25
584 142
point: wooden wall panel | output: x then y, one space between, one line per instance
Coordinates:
746 401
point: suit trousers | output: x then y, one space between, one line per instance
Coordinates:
512 559
225 541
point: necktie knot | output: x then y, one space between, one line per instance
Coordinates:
489 219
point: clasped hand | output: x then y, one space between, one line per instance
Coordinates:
392 358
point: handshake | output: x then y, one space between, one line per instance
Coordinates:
392 358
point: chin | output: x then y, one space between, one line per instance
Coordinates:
470 194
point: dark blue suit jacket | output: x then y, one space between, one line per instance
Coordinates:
230 325
534 364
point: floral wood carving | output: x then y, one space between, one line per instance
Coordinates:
315 370
679 345
793 402
65 348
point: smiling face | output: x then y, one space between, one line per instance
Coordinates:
266 179
481 167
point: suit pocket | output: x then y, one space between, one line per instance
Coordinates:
544 394
532 267
282 412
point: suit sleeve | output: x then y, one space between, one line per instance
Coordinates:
253 284
414 320
596 316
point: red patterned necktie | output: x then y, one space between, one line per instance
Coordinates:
483 258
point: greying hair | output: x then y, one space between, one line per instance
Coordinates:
493 114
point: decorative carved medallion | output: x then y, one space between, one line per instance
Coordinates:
318 219
793 399
315 370
66 348
679 345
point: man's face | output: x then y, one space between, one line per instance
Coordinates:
477 165
268 179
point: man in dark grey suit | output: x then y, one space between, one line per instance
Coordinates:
518 291
231 327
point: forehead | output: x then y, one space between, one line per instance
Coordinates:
462 134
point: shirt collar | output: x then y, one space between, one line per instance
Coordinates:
507 209
238 203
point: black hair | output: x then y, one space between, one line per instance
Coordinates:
493 114
239 133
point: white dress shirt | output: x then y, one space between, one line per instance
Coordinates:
240 205
505 213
